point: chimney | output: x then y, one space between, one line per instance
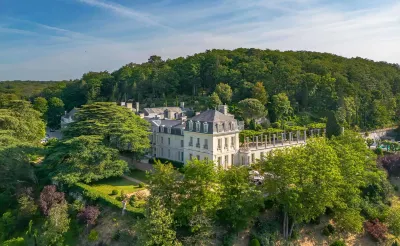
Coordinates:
129 105
182 104
137 107
223 109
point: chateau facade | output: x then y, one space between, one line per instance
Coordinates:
212 135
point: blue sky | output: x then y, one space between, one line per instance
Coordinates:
62 39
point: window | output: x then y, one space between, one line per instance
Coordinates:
220 127
169 129
162 152
191 141
232 142
219 143
219 161
197 126
198 143
181 156
226 143
190 157
181 131
232 126
162 139
226 160
169 153
205 127
253 158
233 159
198 157
169 141
181 143
206 143
190 125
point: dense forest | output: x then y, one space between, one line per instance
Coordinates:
360 92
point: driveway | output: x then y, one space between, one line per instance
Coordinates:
56 134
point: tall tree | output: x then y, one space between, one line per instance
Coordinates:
224 92
118 127
40 104
54 113
56 225
157 227
251 108
281 107
259 93
84 159
214 101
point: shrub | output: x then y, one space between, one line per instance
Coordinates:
114 192
141 185
328 230
175 164
254 242
379 151
93 236
117 235
376 229
338 243
89 215
229 239
132 200
268 203
122 196
19 241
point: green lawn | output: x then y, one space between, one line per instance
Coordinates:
108 185
139 175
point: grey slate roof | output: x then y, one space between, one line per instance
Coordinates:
161 110
212 115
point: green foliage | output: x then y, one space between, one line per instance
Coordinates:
240 200
254 242
93 235
8 223
141 185
19 122
281 107
259 93
19 241
394 218
328 230
40 104
338 243
175 164
251 108
157 226
114 192
378 151
332 126
56 225
224 92
54 112
116 125
132 200
85 159
214 101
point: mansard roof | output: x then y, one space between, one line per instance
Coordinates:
212 115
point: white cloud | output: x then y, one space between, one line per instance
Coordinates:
372 33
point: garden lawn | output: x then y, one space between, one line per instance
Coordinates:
108 185
139 175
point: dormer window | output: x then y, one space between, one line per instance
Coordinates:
197 126
190 125
220 129
162 129
232 126
205 127
169 130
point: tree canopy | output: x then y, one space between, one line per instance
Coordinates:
83 159
117 126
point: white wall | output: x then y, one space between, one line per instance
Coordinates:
167 149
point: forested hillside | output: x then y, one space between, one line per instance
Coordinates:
362 93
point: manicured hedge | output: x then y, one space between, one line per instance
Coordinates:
92 194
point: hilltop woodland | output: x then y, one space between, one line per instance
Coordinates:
70 191
294 87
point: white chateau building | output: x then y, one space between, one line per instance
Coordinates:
212 135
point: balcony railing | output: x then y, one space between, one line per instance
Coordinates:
198 145
190 144
205 146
